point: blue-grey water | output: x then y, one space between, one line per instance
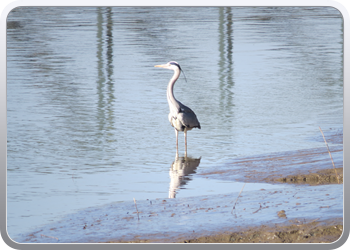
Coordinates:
87 111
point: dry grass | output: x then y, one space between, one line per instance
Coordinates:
329 154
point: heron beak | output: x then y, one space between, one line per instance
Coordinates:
160 66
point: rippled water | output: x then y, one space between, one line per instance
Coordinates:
87 111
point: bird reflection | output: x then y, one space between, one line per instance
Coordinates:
181 167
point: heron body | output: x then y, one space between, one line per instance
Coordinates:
181 117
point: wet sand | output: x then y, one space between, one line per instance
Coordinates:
295 232
312 165
308 209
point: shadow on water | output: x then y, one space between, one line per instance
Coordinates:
180 171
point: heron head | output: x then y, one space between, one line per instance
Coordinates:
170 65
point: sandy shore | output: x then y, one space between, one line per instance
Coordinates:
295 232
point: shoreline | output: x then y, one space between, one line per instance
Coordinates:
299 232
293 231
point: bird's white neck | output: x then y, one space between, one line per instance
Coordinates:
170 90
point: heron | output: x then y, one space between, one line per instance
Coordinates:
181 117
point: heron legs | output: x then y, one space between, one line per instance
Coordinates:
177 144
185 132
177 148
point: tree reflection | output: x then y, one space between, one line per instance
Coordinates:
226 62
105 81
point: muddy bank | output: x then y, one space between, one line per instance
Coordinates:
322 177
312 232
311 165
294 232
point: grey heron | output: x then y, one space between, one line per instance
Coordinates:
181 117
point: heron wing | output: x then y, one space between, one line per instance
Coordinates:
187 117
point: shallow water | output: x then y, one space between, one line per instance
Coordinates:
87 111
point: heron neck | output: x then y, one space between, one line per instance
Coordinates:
170 90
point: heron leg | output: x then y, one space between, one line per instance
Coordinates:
177 148
185 132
